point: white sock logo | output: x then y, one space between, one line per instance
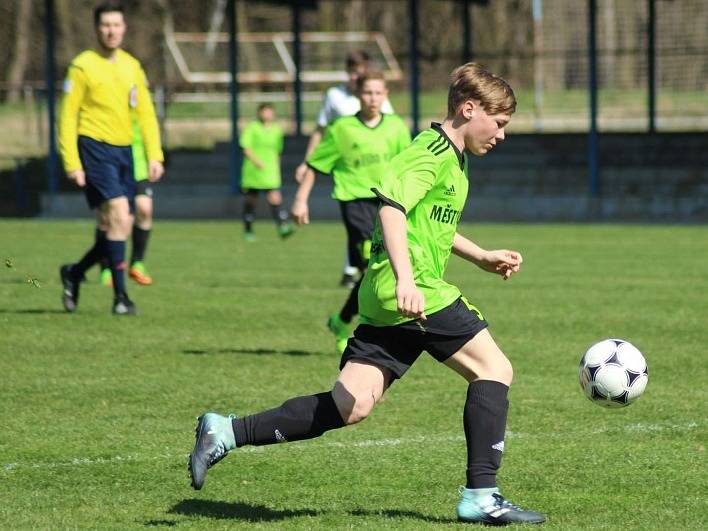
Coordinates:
280 437
499 446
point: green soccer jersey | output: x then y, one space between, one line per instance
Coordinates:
427 182
266 143
357 155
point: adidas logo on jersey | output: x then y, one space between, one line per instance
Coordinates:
451 190
499 446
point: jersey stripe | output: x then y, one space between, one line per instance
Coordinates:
442 149
436 143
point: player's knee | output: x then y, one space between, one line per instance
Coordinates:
503 371
361 409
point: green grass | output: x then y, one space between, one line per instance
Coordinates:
98 411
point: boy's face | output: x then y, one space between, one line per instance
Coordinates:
111 29
266 114
372 95
483 130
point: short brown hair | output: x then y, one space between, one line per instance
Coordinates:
472 81
358 58
368 76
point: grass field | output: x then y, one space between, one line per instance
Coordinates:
98 411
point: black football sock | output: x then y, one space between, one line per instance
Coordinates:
140 241
279 215
248 216
297 419
95 254
115 250
485 423
351 307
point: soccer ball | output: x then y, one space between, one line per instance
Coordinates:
613 373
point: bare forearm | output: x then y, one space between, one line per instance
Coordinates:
395 236
250 156
467 249
308 181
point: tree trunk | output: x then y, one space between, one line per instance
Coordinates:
20 58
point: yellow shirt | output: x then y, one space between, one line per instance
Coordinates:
98 98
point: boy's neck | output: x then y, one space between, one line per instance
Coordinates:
454 132
370 120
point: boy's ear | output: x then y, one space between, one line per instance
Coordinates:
469 107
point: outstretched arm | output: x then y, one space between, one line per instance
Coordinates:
500 261
299 209
410 300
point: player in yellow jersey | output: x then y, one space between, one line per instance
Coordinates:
103 88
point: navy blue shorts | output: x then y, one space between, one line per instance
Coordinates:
109 171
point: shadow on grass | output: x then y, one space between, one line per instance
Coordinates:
160 523
33 311
397 513
258 351
236 511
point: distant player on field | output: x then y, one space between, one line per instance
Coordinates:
103 88
407 307
262 144
341 100
356 150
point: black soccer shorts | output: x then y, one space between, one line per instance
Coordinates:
397 347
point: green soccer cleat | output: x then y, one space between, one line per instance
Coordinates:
342 331
249 236
214 439
139 273
489 507
286 230
106 278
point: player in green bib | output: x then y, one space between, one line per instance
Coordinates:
407 307
355 150
262 143
142 225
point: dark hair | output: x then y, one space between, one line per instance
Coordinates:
265 106
357 58
109 6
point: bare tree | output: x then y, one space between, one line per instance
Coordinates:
20 57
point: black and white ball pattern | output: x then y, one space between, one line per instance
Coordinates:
613 373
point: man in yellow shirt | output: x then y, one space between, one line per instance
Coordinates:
102 88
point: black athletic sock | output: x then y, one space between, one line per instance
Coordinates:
248 216
304 417
279 215
115 250
140 241
351 307
95 254
485 423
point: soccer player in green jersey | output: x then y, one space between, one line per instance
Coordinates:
262 143
407 307
356 150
